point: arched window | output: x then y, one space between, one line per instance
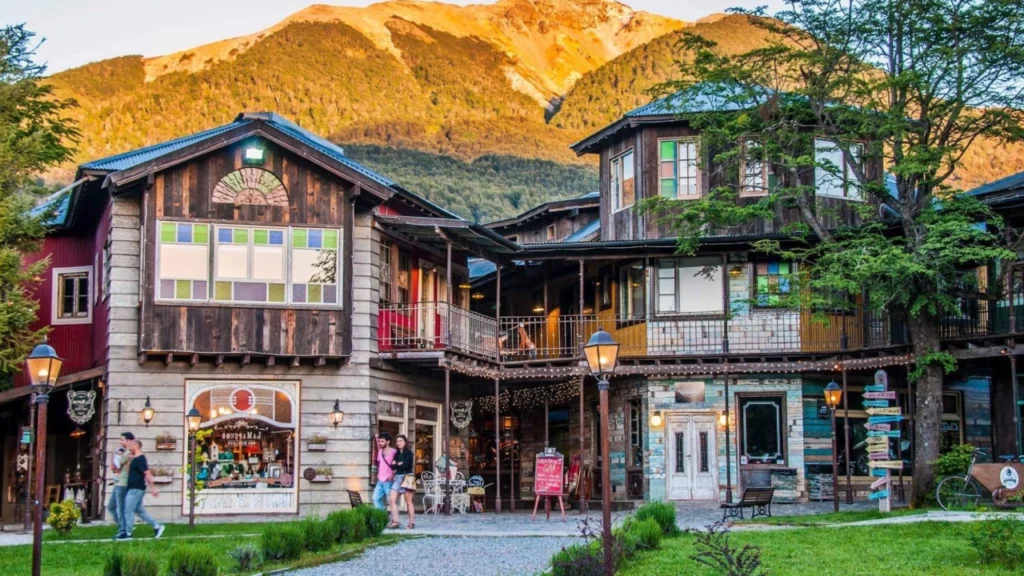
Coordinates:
250 186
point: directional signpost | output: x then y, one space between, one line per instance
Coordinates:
881 418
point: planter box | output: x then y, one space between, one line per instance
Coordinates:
318 447
164 446
163 479
321 479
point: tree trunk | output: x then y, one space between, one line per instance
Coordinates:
924 333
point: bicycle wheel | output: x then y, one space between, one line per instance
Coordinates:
954 494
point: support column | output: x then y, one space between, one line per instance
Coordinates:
497 446
910 428
447 424
497 318
580 335
1016 398
846 432
29 487
579 483
728 444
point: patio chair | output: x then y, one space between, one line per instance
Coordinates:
433 495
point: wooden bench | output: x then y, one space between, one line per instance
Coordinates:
759 500
354 499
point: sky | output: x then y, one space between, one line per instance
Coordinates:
77 32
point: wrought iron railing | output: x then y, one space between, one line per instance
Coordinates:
983 318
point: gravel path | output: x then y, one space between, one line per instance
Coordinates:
451 556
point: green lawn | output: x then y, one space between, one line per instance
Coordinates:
933 548
831 517
80 554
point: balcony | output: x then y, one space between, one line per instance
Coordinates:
521 339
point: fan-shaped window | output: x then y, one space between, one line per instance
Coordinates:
250 186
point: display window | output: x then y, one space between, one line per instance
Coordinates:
427 437
246 447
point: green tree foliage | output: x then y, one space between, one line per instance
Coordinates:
34 135
486 189
909 85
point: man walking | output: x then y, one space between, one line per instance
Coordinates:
119 467
385 456
139 478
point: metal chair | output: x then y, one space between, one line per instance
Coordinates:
433 494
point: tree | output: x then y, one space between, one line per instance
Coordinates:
34 136
878 100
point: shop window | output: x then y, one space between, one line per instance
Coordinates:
632 291
387 272
951 428
679 174
753 169
247 456
71 301
183 261
833 176
772 283
623 182
690 286
635 455
762 424
314 265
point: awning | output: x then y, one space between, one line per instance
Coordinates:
437 233
22 391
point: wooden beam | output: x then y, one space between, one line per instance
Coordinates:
219 360
143 357
270 361
321 361
246 358
295 362
193 360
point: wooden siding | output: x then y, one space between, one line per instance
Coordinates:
184 192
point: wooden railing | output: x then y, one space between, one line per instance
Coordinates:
424 326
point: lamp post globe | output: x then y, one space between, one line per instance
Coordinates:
602 352
833 394
43 367
194 418
337 414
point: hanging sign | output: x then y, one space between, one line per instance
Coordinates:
462 413
548 475
1009 478
893 411
26 435
891 395
874 388
81 406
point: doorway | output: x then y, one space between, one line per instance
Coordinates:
692 464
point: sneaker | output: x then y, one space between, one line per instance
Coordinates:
123 536
159 531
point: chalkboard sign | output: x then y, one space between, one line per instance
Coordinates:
548 475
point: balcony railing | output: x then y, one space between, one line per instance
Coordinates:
982 318
424 326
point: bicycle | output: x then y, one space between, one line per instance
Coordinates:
963 493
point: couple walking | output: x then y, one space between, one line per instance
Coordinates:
131 468
394 477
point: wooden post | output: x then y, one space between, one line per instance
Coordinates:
447 461
583 503
497 446
31 463
846 432
497 321
606 489
42 400
728 445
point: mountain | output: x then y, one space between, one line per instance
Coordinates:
474 107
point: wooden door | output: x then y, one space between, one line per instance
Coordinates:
692 467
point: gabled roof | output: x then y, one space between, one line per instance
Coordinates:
588 200
585 234
1008 184
133 158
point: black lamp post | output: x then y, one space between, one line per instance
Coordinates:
43 366
833 394
602 351
194 418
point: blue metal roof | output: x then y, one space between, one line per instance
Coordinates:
583 234
59 202
479 267
698 98
134 158
1011 182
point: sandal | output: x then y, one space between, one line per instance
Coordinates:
411 526
393 525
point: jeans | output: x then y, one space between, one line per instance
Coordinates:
380 494
132 506
116 503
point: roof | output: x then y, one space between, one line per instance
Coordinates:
436 233
588 200
59 203
1007 184
478 267
586 233
133 158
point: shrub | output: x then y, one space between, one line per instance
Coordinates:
64 516
955 461
192 561
626 541
281 542
347 525
376 520
664 513
120 563
578 560
999 541
317 534
246 557
647 533
715 551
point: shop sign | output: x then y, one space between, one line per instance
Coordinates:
548 475
309 474
462 414
1009 478
893 411
81 406
242 400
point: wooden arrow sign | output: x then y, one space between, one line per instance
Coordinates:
878 495
880 482
888 464
875 403
891 395
890 434
879 427
893 411
874 388
881 419
879 472
878 455
878 447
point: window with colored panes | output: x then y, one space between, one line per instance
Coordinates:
679 168
623 181
249 265
314 266
772 283
183 261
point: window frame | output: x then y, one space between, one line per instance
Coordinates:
551 233
746 191
385 291
56 301
678 291
847 174
626 313
616 194
634 421
699 176
741 400
755 301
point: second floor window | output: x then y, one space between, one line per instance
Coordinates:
679 176
71 295
772 283
623 182
632 291
753 169
833 176
387 272
690 286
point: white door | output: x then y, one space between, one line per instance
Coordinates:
691 466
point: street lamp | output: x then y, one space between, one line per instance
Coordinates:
194 418
43 366
148 412
602 351
833 394
337 415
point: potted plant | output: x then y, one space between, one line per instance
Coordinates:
316 443
165 441
323 473
162 474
